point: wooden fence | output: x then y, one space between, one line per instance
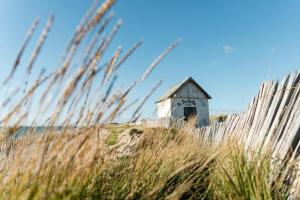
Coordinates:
272 118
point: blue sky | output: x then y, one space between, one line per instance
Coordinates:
228 47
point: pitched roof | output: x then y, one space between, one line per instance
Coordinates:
176 87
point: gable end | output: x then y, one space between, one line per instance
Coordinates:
178 86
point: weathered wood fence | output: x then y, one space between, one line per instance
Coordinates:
272 118
272 122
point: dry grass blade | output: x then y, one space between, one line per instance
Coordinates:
10 97
134 115
23 47
40 43
129 53
88 51
100 13
88 15
109 89
158 60
71 87
111 36
78 35
120 99
127 107
111 66
80 29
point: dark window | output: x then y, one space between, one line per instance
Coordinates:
189 112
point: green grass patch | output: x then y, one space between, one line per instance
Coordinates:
113 137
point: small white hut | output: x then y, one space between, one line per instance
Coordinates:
184 100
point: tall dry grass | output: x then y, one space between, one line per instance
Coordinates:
164 164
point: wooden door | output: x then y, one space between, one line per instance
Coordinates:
189 112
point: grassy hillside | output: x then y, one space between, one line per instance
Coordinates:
159 164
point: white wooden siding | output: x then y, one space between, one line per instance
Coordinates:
164 108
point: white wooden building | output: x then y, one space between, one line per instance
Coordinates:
184 100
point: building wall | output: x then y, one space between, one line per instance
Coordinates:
190 96
164 108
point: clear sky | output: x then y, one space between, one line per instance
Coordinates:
228 47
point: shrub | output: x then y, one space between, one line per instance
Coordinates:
134 131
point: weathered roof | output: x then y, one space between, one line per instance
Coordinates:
176 87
